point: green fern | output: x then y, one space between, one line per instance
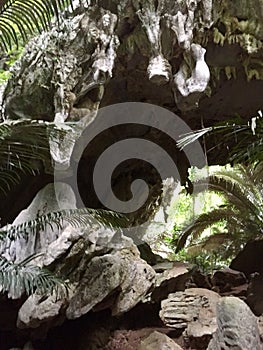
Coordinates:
23 277
28 17
76 217
244 138
24 147
242 187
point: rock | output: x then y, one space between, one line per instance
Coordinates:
50 198
260 326
122 274
192 311
254 293
228 276
190 89
147 254
157 341
28 346
237 326
38 310
226 280
62 244
201 280
250 259
171 280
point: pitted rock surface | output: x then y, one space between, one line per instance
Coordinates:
237 327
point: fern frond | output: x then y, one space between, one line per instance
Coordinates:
29 17
24 147
196 228
233 191
17 279
55 220
209 244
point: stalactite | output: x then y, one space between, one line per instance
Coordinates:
159 69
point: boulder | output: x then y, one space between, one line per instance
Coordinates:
50 198
157 341
228 282
254 293
250 259
173 279
122 274
38 310
228 277
237 326
192 311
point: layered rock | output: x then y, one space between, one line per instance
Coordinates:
192 311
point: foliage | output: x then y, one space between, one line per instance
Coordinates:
55 220
245 138
23 277
242 187
206 262
4 76
26 17
24 148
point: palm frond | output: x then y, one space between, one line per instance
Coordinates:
239 196
227 129
196 228
245 138
55 220
242 187
191 137
28 16
17 279
210 243
24 147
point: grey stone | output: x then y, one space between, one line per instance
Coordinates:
158 341
122 273
237 327
51 198
37 311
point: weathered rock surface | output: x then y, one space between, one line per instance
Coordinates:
169 54
228 282
122 275
28 346
171 280
237 327
50 198
157 341
38 310
192 311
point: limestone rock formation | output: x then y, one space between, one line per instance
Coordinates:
237 327
173 279
38 311
202 60
50 198
122 275
157 341
86 48
192 311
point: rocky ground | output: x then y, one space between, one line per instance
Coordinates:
120 301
